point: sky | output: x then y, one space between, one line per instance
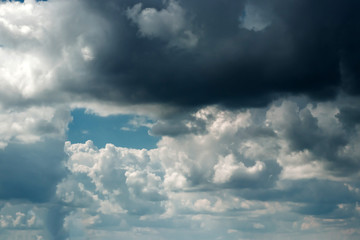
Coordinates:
179 119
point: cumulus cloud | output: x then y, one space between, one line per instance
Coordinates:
167 24
103 177
243 162
315 132
39 56
34 124
256 107
243 169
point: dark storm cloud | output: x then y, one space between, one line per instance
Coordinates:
307 48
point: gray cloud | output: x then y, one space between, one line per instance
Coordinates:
229 65
174 53
30 172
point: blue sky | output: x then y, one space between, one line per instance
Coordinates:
179 119
117 130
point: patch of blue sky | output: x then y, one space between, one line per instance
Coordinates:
121 130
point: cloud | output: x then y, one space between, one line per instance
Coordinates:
255 105
243 169
30 172
40 57
212 62
243 163
167 24
103 177
108 54
253 19
316 132
34 124
228 65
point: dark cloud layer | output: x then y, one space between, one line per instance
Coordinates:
307 48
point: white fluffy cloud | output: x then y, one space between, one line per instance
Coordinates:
170 24
33 124
40 60
29 55
113 179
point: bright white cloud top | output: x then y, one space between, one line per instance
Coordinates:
258 133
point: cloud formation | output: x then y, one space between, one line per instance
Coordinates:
244 163
255 103
231 63
168 24
252 54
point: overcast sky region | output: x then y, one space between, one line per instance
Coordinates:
180 119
